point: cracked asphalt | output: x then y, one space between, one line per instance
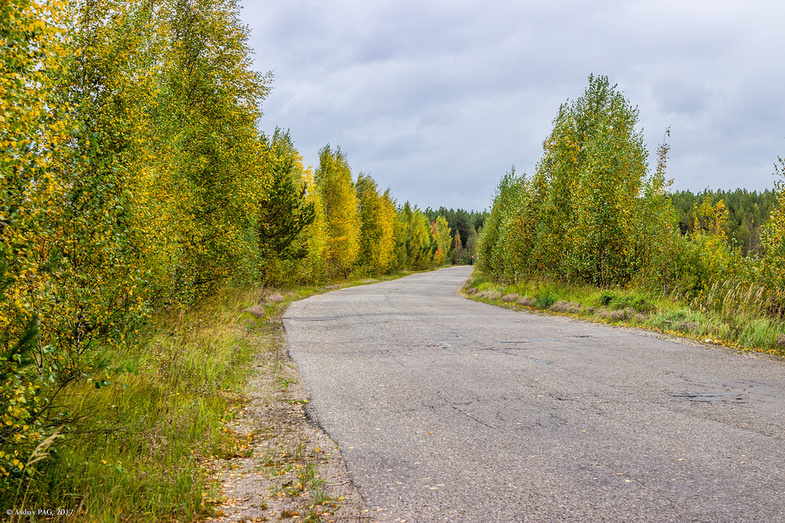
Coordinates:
446 409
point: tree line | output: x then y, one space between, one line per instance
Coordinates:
748 212
328 224
594 213
134 179
465 227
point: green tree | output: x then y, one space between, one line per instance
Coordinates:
284 212
773 263
417 237
377 227
456 253
400 231
656 228
491 247
590 212
603 183
206 144
441 233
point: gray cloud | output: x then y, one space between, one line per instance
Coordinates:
437 99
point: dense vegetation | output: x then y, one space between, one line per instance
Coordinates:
134 184
748 212
593 213
465 226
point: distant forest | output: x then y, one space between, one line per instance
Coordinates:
466 225
747 212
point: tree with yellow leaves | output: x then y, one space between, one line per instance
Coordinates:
706 258
377 240
442 237
417 237
578 218
342 219
773 263
34 127
128 181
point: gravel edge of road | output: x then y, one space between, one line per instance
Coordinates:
285 463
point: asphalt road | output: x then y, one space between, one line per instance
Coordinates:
447 409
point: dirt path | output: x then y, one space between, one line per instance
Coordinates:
284 467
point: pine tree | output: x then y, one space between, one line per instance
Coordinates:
284 212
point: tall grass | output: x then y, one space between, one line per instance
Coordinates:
138 449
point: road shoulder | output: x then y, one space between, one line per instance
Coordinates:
284 466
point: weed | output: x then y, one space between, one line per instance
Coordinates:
319 497
299 451
40 453
285 382
674 316
633 301
606 298
308 476
545 301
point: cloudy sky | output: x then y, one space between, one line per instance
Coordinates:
436 99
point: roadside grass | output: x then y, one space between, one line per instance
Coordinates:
743 326
136 449
142 440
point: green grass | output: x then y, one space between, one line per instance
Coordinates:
743 326
138 447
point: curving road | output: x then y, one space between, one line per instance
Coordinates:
447 409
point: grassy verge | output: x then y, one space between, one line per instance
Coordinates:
137 449
634 308
145 447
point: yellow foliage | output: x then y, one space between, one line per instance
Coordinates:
32 131
127 178
342 219
710 219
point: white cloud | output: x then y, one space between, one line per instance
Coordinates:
437 99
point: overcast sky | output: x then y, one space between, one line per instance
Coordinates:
438 99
